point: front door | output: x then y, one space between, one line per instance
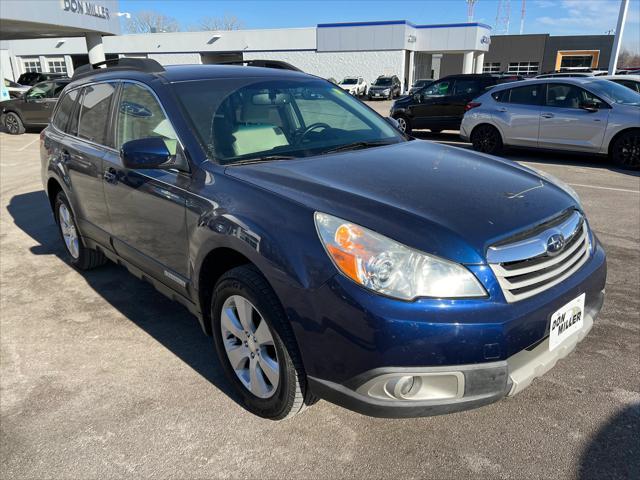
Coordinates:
565 125
432 105
147 206
38 103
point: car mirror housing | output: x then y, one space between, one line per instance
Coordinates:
393 122
590 106
150 152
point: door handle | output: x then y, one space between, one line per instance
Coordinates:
546 115
502 109
110 176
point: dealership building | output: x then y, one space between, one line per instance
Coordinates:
62 35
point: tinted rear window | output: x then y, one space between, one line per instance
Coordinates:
65 108
529 95
94 113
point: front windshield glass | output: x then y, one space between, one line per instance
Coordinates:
243 119
383 82
349 81
615 92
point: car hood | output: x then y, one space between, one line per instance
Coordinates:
442 200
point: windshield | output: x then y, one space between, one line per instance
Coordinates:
349 81
383 82
615 92
242 119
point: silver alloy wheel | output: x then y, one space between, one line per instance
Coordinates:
402 124
249 345
69 232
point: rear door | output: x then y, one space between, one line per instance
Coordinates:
464 90
83 150
564 125
147 206
517 114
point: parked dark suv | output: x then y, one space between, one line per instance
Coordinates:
385 87
327 254
32 109
441 104
31 78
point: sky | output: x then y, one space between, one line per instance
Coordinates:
557 17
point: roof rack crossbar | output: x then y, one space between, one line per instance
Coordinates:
140 64
277 64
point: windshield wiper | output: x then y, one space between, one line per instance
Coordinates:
266 158
357 146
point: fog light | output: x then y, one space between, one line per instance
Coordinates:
415 386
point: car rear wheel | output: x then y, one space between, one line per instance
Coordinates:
80 256
486 139
256 347
625 152
404 124
13 123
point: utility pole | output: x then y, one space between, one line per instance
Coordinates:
622 16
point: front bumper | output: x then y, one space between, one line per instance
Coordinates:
477 384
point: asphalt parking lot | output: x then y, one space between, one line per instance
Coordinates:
101 376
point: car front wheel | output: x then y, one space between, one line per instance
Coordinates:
486 139
256 347
13 123
404 124
625 152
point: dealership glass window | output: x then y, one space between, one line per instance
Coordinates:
141 116
65 109
94 112
31 65
524 68
491 67
576 61
57 65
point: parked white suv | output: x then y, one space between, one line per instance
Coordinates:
354 85
585 114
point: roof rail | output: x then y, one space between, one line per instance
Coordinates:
278 64
140 64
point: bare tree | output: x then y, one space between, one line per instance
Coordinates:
208 23
627 58
149 21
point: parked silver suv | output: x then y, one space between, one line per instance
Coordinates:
571 114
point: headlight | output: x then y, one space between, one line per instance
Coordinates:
386 90
558 183
390 268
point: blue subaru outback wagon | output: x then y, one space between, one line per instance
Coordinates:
327 254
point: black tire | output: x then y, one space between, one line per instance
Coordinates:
85 258
407 123
625 151
292 394
486 139
435 130
13 123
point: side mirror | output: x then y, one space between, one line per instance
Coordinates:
149 152
590 106
417 97
393 122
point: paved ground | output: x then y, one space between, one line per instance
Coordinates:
103 377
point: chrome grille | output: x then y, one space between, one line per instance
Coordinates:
524 267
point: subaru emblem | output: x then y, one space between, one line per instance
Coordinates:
555 244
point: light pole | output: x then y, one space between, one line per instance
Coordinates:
622 16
